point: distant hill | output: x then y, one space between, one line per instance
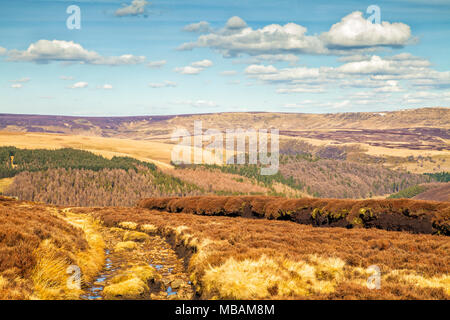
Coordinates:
141 127
435 192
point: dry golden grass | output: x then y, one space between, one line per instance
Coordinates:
125 246
155 152
237 258
5 183
135 236
37 246
131 283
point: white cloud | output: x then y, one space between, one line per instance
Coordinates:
188 70
391 86
66 77
164 84
421 97
271 74
235 23
260 69
354 31
45 51
381 74
137 7
195 67
202 64
79 85
156 64
200 27
3 51
16 85
203 103
301 89
228 73
354 58
21 80
236 38
351 35
272 58
106 86
399 64
198 103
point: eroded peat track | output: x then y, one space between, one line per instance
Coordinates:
138 266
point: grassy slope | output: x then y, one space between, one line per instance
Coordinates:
397 215
230 258
37 245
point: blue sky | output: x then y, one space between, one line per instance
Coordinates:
134 57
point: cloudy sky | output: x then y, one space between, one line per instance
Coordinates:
137 57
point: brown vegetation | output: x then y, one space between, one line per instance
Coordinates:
107 187
37 244
217 181
346 179
237 258
435 192
397 215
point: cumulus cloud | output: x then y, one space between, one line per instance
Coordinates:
156 64
228 73
354 31
136 8
349 36
199 27
46 51
22 80
301 89
236 38
235 23
202 64
188 70
195 67
381 74
106 86
399 64
16 85
165 84
3 51
271 74
422 97
260 69
79 85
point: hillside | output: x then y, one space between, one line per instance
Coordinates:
137 253
435 192
394 215
415 140
81 178
230 258
37 247
145 126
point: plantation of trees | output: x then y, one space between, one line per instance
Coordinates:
81 178
327 178
409 192
42 159
106 187
440 176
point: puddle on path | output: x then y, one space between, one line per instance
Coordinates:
154 252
